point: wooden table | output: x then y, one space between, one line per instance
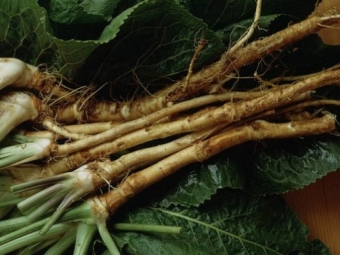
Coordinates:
329 35
318 206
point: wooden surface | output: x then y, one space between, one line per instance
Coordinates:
330 35
318 205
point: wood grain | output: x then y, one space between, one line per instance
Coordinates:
330 35
318 205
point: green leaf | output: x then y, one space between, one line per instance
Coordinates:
233 32
167 36
219 14
268 167
280 166
230 19
198 182
232 222
307 56
27 35
165 47
102 8
78 12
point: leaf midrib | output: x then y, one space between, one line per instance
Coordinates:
240 239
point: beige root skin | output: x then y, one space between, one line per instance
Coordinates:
150 119
217 72
203 150
105 172
79 129
73 161
90 110
228 113
93 111
204 125
49 124
118 169
126 111
230 63
48 84
16 73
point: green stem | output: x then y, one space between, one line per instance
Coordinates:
12 224
84 237
147 228
46 198
106 236
67 200
29 150
26 186
19 226
12 202
34 237
8 200
35 248
39 211
63 244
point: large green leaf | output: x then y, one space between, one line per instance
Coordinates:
266 167
219 14
165 47
285 165
232 222
166 36
26 34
